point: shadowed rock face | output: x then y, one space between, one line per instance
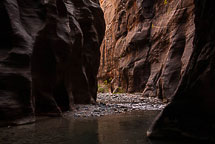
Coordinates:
192 108
148 44
49 55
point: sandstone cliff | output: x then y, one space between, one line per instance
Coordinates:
49 55
191 110
148 44
164 49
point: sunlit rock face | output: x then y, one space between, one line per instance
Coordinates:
49 55
148 44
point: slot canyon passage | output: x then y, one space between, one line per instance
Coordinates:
152 61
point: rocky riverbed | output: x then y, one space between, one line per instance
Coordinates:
108 103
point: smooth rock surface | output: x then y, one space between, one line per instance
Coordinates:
49 55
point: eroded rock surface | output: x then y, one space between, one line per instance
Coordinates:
191 111
148 44
49 55
165 49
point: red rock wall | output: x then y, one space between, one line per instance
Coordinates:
190 113
49 55
147 45
165 49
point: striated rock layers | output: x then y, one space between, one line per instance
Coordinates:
165 49
148 44
49 55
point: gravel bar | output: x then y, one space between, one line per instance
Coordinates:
108 103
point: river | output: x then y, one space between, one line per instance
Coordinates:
124 128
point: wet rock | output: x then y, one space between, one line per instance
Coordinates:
49 55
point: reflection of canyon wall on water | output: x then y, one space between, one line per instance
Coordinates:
49 55
164 49
125 128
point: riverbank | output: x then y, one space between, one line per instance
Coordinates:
108 104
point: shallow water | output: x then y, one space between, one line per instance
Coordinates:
129 128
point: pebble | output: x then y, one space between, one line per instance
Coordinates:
108 103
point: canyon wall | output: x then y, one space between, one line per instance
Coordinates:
49 56
164 49
191 110
148 44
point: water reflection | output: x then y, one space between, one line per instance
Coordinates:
127 128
